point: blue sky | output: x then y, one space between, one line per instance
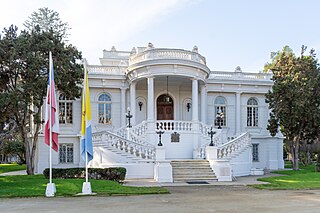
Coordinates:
228 33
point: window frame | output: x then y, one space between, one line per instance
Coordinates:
106 117
223 108
252 112
64 149
67 105
255 152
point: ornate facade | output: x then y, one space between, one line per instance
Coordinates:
210 117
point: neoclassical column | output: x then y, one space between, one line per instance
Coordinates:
203 104
195 110
150 82
238 113
133 102
123 107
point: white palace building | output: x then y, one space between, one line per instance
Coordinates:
213 124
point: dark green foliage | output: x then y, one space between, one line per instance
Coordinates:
14 148
24 68
115 174
46 20
295 98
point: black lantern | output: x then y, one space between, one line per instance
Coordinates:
188 106
129 116
140 105
160 132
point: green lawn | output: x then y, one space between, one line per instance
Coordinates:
305 178
35 185
11 167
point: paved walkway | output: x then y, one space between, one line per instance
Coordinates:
183 198
21 172
239 181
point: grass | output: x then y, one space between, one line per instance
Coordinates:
35 185
305 178
11 167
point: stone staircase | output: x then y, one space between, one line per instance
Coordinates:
192 170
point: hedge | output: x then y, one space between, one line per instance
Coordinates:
116 174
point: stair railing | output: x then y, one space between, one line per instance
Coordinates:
138 148
234 146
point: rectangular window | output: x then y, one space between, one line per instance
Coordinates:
65 112
252 116
223 116
255 152
66 153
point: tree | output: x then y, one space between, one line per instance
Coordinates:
295 98
24 74
46 20
14 148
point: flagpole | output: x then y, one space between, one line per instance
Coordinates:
51 188
86 167
85 86
86 187
50 119
85 77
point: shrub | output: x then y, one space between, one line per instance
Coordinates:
116 174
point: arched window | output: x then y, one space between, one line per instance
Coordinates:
252 112
65 110
220 111
104 109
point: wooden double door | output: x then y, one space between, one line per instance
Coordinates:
165 108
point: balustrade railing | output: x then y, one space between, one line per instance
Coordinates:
140 129
122 132
170 125
134 147
216 138
205 129
109 70
162 53
239 75
228 149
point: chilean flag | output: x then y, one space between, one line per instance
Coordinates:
51 104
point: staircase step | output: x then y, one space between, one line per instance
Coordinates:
192 170
194 179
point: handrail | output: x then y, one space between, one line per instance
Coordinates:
205 129
140 150
172 125
226 150
140 129
216 138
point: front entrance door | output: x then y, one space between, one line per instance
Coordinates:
164 107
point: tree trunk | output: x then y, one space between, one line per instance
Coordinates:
29 157
295 154
308 154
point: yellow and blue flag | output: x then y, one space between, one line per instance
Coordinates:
86 130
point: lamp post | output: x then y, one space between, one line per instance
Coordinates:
159 132
219 118
129 116
211 133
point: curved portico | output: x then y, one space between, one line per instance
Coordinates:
162 71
